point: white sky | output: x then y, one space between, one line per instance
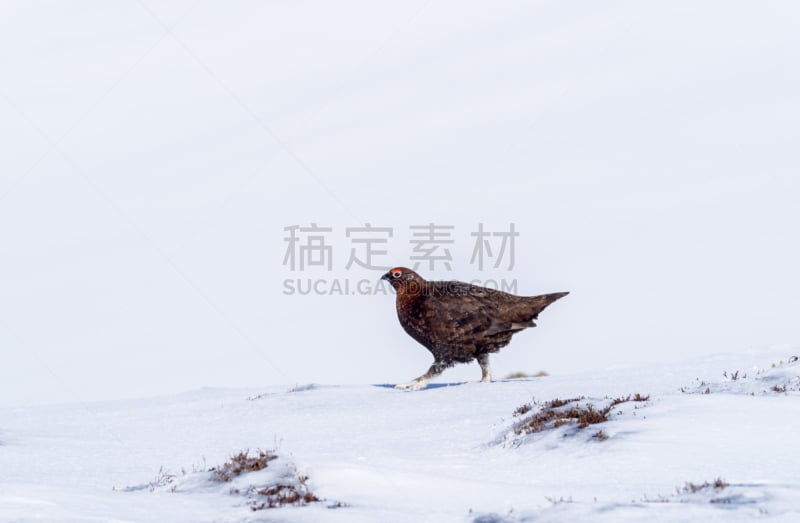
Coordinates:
154 152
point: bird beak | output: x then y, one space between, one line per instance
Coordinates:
387 276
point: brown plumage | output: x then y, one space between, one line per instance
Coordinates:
459 322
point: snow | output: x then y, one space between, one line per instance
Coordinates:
373 453
154 152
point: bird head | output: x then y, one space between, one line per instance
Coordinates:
401 277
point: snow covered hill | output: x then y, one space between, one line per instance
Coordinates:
157 158
699 446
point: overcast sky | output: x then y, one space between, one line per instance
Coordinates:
155 153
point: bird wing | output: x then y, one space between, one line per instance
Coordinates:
462 309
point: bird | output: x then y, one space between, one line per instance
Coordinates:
459 322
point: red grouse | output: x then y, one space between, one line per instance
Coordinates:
459 322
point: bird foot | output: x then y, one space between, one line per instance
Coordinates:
411 385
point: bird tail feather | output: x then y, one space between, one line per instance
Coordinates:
537 304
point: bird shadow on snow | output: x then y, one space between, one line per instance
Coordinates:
432 386
429 386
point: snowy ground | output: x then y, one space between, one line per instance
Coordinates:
154 154
446 453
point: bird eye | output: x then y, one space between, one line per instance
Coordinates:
397 274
